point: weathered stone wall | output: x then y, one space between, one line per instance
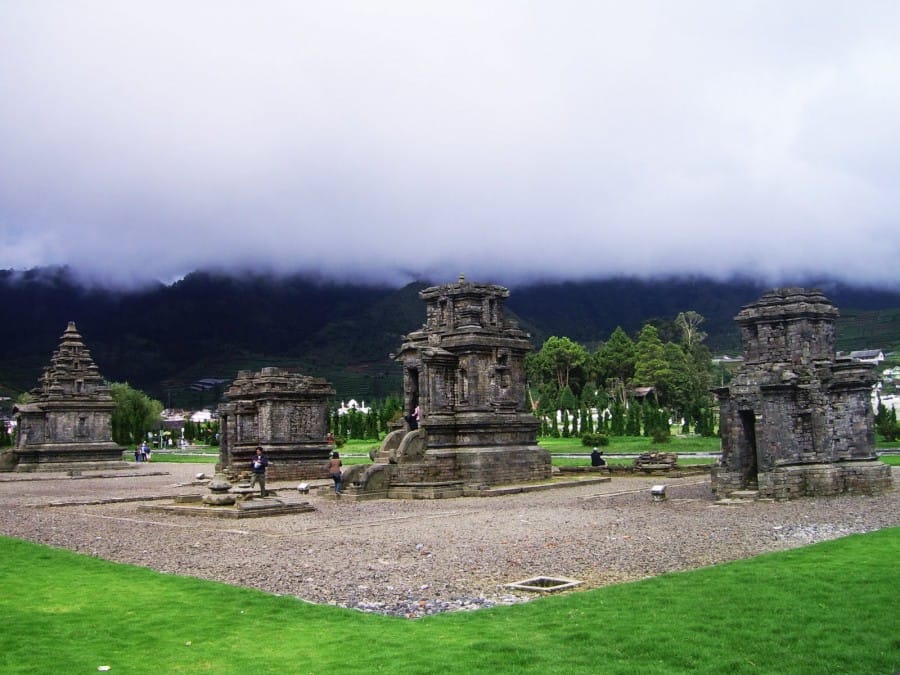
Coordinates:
499 466
476 466
790 482
434 467
78 426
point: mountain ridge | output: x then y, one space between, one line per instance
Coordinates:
162 338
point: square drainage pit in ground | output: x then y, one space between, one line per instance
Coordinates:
544 584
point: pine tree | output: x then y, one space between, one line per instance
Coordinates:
633 419
617 419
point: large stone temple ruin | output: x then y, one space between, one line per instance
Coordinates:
464 371
68 423
796 420
285 413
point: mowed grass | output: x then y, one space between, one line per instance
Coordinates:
356 451
632 445
827 608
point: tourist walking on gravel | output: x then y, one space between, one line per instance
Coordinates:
258 468
334 468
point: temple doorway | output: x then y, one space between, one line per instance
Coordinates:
750 462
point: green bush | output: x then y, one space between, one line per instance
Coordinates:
593 440
661 436
886 423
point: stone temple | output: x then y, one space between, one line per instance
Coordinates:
796 420
286 413
464 370
68 424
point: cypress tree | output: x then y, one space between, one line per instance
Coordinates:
633 419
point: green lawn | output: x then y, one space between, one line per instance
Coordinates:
193 457
632 445
356 451
683 460
827 608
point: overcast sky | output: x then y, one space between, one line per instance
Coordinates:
402 140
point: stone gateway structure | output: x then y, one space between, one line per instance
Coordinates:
464 373
795 420
285 413
68 424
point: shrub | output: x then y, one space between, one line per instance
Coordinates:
661 436
592 440
886 423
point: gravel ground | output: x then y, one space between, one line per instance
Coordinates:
412 558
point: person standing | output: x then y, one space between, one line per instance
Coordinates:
413 419
258 468
334 468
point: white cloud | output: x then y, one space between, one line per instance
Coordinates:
504 138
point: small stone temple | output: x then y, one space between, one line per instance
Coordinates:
796 420
286 413
464 371
68 423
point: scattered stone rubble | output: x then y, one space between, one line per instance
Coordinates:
656 461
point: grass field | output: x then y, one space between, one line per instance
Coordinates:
827 608
632 445
356 451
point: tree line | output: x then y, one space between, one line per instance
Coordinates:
626 386
374 424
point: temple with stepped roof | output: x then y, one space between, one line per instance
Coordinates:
67 425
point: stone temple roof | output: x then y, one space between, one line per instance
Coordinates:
72 371
788 303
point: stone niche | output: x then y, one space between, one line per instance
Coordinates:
286 413
67 425
796 420
464 369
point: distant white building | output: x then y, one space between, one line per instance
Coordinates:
726 360
889 401
868 355
353 405
201 416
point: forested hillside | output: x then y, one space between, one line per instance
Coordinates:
163 339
